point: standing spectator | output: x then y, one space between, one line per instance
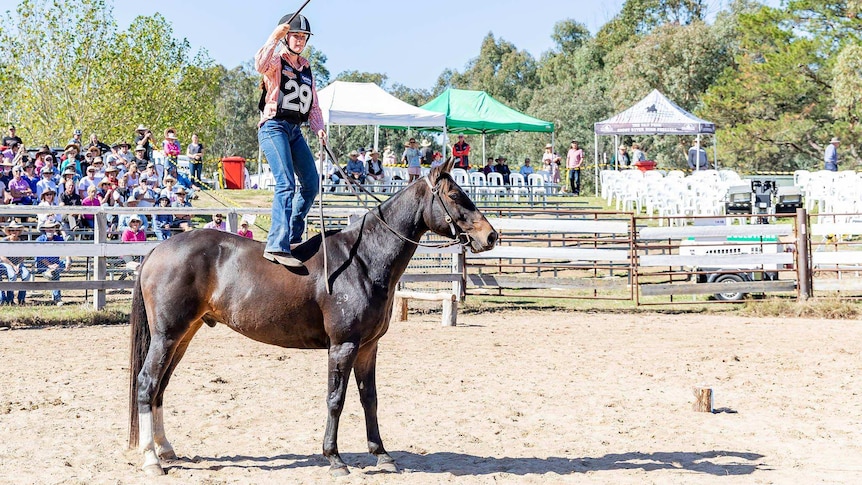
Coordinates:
638 155
426 152
697 157
287 75
830 157
574 162
11 136
171 148
144 138
389 156
244 231
76 139
551 163
622 158
355 167
47 182
527 169
95 142
216 223
461 151
503 169
14 266
195 151
411 157
51 266
375 168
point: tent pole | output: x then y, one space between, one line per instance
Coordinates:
715 151
596 161
376 137
616 152
696 161
482 162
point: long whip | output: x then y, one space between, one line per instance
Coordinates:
322 221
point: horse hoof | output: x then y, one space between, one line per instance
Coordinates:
339 471
168 455
387 466
154 470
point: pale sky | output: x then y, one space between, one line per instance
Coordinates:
411 42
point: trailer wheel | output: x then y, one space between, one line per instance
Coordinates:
730 278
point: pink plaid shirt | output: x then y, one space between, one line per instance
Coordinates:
267 61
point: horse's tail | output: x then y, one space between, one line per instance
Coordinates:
140 344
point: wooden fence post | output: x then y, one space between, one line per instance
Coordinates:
232 222
100 266
803 261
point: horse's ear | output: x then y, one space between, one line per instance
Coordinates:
446 167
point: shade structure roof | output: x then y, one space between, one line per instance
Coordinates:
476 112
654 115
346 103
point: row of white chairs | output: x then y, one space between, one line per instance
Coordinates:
830 192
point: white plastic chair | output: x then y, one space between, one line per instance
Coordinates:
536 183
461 177
518 186
479 184
495 186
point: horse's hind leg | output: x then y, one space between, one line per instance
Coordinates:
341 357
365 371
162 350
164 450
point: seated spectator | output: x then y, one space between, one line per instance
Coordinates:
503 169
244 231
91 200
527 169
19 188
216 223
46 183
183 181
133 177
168 189
355 167
438 160
330 171
95 142
181 221
71 160
489 166
51 266
152 175
140 158
31 177
389 157
162 222
69 198
100 167
375 168
144 193
134 232
13 267
89 181
69 175
48 201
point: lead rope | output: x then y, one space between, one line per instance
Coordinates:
434 191
323 226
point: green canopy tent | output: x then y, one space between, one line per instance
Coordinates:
476 112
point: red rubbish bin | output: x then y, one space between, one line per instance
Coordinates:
234 172
645 165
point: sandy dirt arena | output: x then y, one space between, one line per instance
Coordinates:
512 397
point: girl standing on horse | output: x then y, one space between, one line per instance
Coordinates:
288 100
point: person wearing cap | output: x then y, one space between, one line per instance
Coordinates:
438 160
217 222
14 267
374 168
152 175
51 266
195 152
47 182
830 156
551 163
527 169
289 99
144 138
461 151
30 175
574 162
76 139
11 136
413 159
355 167
244 231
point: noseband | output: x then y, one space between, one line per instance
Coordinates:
458 237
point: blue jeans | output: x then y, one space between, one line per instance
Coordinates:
287 153
11 275
55 277
575 180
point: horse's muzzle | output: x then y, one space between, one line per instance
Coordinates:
484 240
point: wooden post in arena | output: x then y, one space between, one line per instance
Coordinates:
702 399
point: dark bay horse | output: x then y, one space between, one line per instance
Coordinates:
209 277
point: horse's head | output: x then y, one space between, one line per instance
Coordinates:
451 213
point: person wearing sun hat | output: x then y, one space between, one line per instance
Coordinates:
244 231
71 152
830 156
46 182
289 99
13 267
413 159
144 138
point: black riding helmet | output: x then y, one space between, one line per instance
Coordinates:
298 24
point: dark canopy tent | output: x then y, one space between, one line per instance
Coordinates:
653 115
477 113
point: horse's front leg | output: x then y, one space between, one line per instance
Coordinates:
341 358
365 370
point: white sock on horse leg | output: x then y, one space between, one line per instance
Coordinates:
161 441
146 445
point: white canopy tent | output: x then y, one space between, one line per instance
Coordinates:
346 103
653 115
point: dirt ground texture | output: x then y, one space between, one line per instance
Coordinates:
511 397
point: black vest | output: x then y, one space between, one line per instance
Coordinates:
295 95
